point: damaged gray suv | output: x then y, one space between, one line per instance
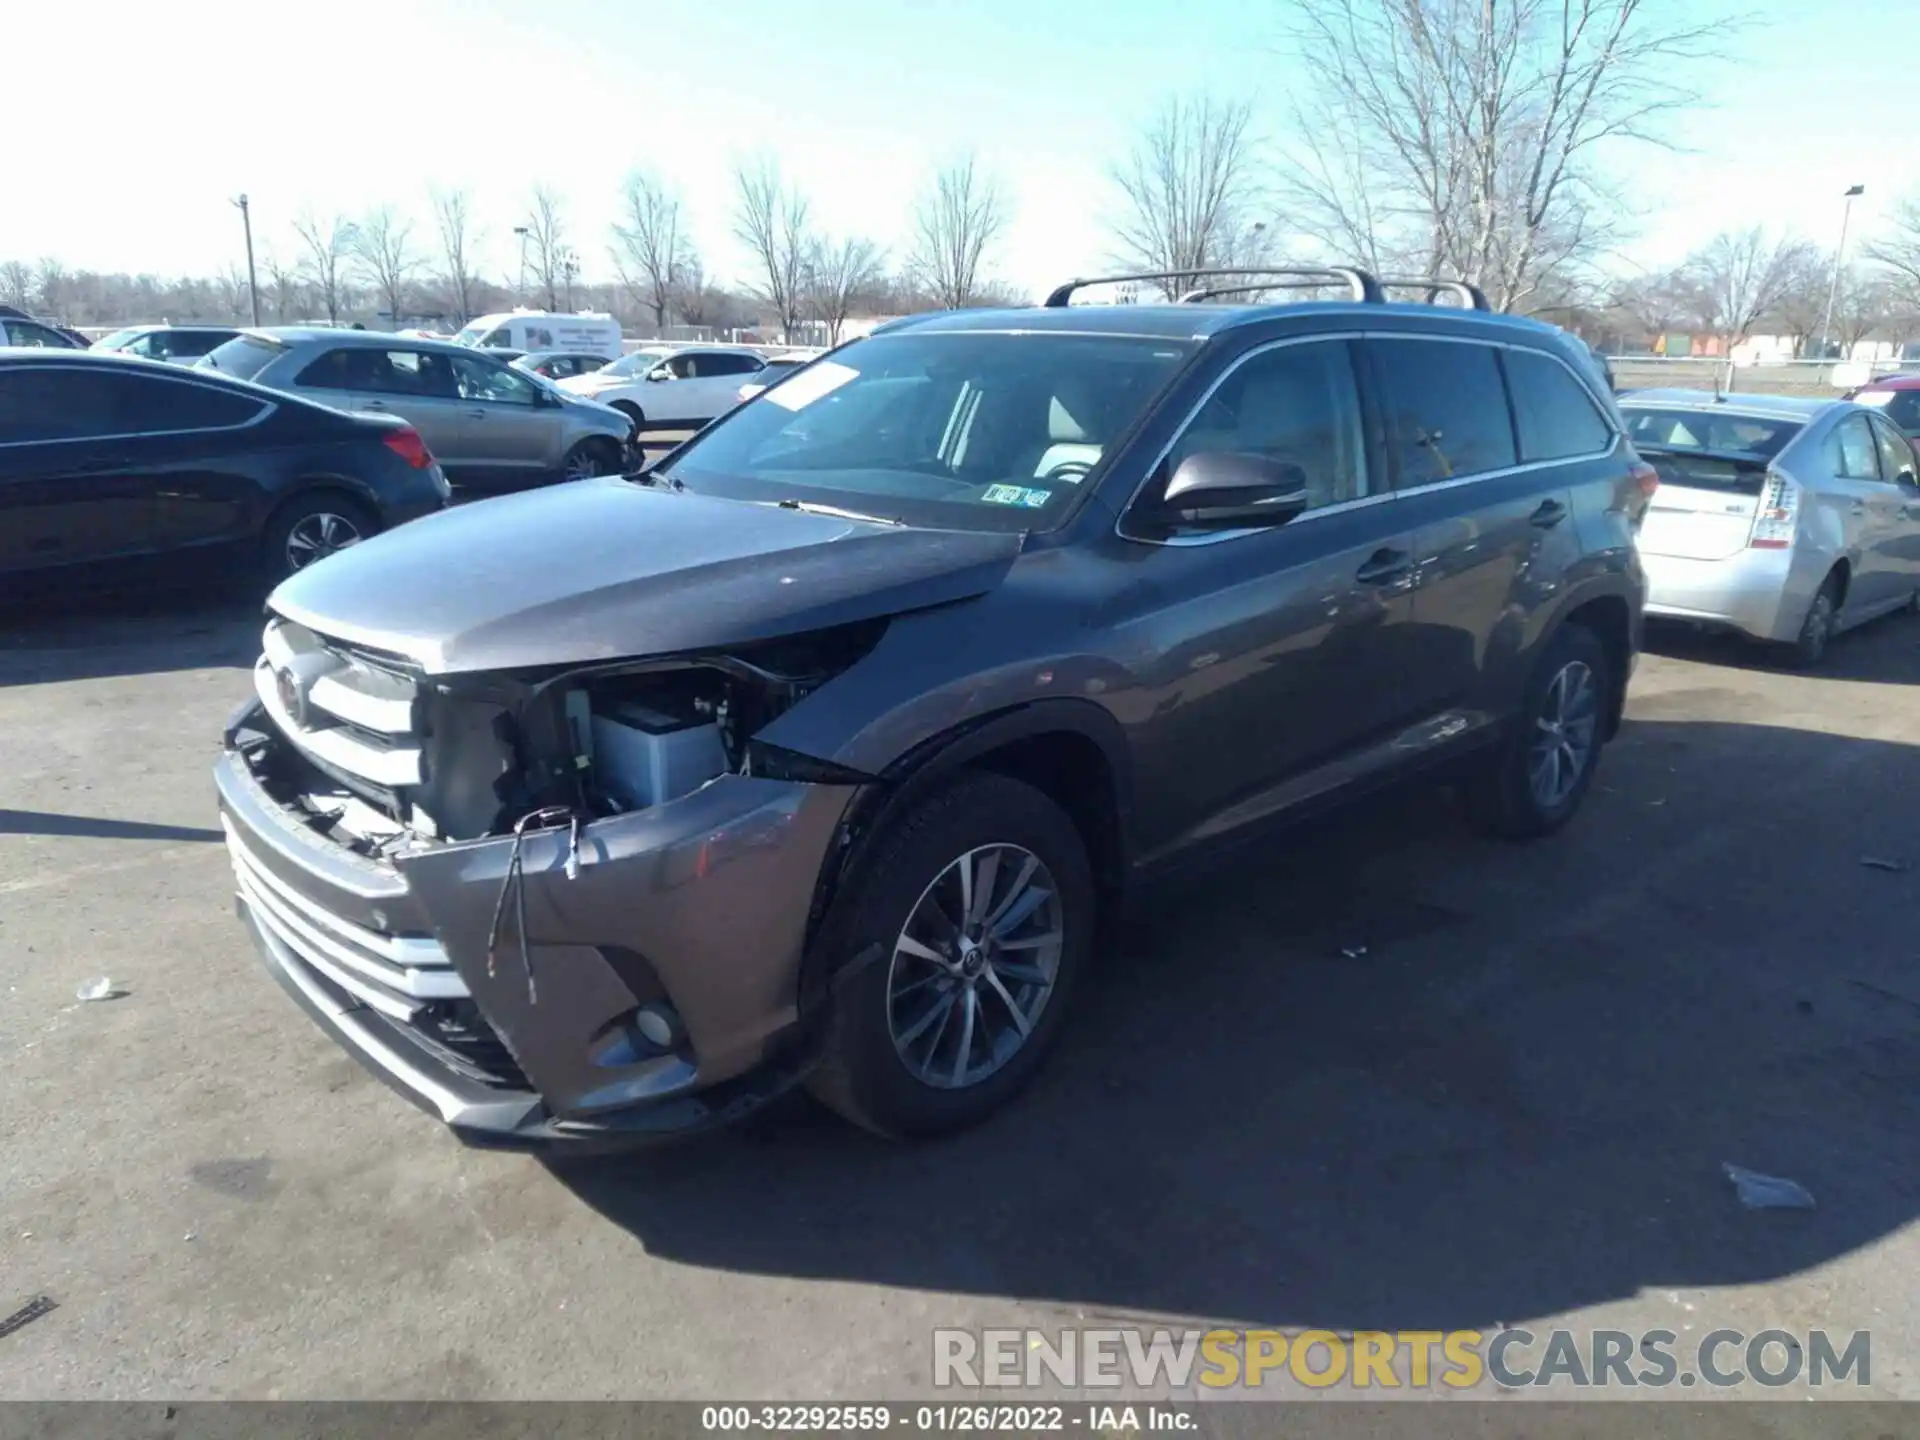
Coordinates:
821 751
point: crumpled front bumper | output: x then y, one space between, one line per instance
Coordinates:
702 903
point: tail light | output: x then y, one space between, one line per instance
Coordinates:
1776 515
1646 477
408 445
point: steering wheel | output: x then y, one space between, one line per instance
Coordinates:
1069 470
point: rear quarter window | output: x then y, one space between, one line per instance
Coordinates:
1556 417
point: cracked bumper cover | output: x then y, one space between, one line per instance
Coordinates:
703 901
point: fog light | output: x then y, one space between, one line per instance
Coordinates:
658 1025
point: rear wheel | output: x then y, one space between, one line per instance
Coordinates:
311 527
1537 778
970 929
1809 647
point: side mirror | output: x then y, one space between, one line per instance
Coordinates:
659 372
1231 490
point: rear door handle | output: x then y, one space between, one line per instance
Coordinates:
1384 566
373 404
105 464
1549 514
476 413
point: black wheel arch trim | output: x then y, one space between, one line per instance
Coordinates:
1609 587
922 769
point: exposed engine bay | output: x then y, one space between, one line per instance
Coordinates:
384 758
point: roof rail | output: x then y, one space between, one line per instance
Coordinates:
1214 292
1363 285
1472 297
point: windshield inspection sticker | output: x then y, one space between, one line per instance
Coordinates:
1016 495
823 377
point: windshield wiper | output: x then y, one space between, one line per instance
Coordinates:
811 508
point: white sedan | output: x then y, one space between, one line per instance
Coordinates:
671 386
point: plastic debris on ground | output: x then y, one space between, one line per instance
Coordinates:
101 989
1767 1192
27 1314
1876 862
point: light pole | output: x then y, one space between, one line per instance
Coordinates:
1839 259
253 285
521 231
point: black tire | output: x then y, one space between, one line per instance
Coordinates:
862 1073
296 535
633 413
591 457
1503 798
1809 647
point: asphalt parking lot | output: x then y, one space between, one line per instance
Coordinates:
1512 1107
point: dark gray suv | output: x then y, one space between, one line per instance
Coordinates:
820 751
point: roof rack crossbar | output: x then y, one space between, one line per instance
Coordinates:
1471 297
1214 292
1363 285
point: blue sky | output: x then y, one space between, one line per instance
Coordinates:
343 103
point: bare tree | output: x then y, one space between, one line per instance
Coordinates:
283 285
957 221
1465 138
1739 277
383 246
458 236
547 236
51 282
16 284
328 245
770 219
651 251
234 297
1799 307
1868 305
1190 191
1899 250
839 274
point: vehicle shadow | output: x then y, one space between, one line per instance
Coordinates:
42 822
1884 651
1385 1074
102 635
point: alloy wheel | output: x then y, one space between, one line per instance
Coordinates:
582 463
974 966
1564 732
314 537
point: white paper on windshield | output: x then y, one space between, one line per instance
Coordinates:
1874 397
823 377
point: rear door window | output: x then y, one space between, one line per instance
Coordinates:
1446 408
1555 415
1897 455
69 402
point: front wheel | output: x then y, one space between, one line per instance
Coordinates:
1537 778
969 930
588 459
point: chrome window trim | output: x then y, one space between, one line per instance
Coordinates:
1361 502
267 408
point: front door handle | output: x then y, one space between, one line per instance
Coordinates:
373 404
476 413
1384 566
1549 514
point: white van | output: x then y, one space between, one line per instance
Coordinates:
533 330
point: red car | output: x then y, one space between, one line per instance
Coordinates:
1898 398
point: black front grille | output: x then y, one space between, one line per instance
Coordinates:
459 1036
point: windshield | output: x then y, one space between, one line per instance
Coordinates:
637 363
243 357
965 431
1709 432
470 335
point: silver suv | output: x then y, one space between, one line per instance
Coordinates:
489 426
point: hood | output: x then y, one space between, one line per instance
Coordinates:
609 570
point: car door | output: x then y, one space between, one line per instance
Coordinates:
1492 535
1271 649
202 447
672 393
720 374
510 433
1901 547
1871 512
419 388
74 487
